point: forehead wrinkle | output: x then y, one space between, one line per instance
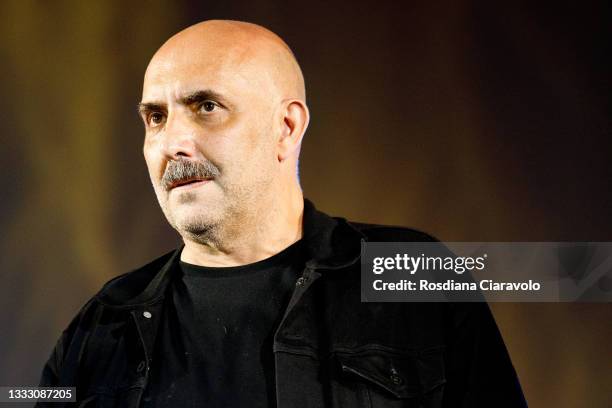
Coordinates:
236 78
228 50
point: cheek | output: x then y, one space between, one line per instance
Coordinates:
153 160
256 166
246 153
242 148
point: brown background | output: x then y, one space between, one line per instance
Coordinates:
483 121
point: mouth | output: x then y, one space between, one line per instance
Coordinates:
188 183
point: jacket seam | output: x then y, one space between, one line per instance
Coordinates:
299 351
373 347
149 302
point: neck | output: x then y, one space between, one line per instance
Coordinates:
259 235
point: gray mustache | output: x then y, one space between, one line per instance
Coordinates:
185 169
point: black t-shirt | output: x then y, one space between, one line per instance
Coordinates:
214 347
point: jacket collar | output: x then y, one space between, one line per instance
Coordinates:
331 242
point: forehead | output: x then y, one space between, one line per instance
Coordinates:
231 72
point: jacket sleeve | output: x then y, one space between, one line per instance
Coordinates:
60 368
479 371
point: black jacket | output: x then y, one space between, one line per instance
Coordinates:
330 349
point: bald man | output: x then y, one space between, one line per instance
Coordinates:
261 305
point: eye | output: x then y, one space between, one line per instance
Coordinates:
208 106
155 119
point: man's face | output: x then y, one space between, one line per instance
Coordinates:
209 143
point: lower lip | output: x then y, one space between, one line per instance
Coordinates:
191 185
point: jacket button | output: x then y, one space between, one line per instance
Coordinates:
300 281
147 314
395 378
140 367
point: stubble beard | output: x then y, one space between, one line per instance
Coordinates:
196 224
221 223
207 226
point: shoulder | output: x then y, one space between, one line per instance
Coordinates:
391 233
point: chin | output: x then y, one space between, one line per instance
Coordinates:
193 217
202 230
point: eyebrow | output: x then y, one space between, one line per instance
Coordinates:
201 96
143 108
189 99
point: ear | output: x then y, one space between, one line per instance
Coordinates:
295 119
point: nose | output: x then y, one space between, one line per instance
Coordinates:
180 136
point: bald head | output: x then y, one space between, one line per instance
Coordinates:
252 51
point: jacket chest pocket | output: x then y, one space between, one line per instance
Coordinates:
390 378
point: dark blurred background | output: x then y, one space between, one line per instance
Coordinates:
473 121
